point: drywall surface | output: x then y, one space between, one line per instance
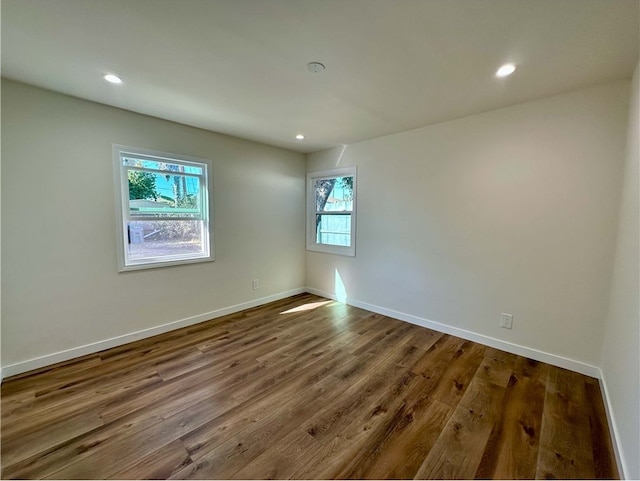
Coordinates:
511 211
60 282
620 359
1 373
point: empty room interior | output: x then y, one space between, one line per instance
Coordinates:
320 239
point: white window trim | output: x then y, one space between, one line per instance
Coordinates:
312 245
122 200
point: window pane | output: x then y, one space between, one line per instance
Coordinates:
162 238
334 194
163 195
334 229
159 165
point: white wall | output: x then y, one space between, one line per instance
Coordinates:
621 359
1 371
513 210
61 287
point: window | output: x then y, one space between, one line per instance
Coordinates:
162 209
331 211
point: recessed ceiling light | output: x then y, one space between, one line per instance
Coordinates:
111 78
506 70
315 67
300 137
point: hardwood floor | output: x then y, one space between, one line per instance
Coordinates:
304 388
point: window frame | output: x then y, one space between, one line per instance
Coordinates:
121 184
312 244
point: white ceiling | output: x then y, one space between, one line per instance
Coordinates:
238 66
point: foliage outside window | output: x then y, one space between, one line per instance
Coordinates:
331 213
163 207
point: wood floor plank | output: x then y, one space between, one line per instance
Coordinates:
303 387
363 394
459 448
181 394
346 437
229 358
484 397
461 370
458 451
404 445
13 405
377 417
112 455
56 406
277 463
380 338
565 437
603 455
316 339
21 447
36 379
512 449
435 361
201 441
497 371
161 464
209 436
46 462
240 449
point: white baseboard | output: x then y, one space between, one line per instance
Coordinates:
49 359
535 354
36 363
613 427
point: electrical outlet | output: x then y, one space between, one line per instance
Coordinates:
506 321
255 284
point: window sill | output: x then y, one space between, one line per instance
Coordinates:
171 263
336 250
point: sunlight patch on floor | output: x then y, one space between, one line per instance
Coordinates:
307 307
